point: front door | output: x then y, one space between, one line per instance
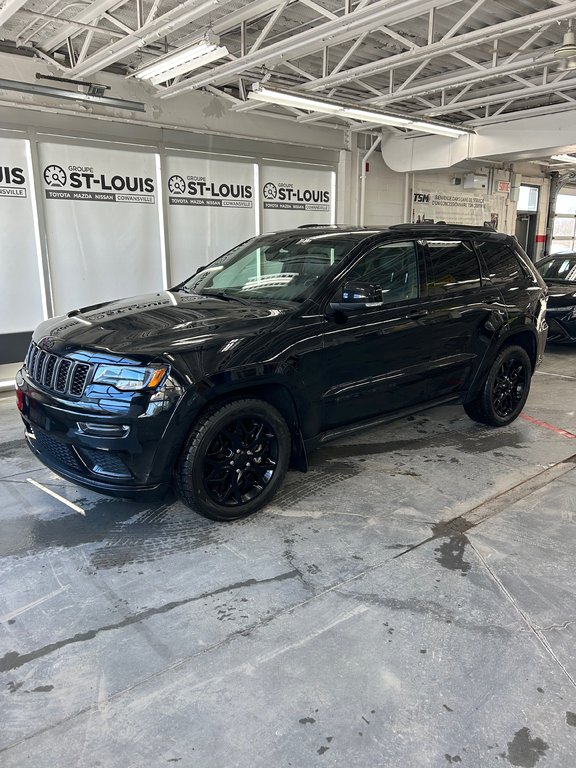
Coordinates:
377 358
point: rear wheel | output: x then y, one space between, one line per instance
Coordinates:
505 389
235 459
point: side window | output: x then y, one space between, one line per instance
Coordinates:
393 268
454 265
501 262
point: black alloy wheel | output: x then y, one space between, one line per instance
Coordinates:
240 461
235 459
509 385
505 389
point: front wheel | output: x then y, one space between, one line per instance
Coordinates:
235 459
505 389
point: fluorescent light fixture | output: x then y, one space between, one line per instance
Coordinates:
260 93
441 130
374 117
293 100
183 60
564 158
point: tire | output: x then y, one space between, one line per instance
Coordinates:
235 459
505 389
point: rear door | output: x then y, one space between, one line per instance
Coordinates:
465 313
507 272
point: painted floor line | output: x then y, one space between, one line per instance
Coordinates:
34 604
551 427
70 504
558 375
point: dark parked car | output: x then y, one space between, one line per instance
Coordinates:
559 273
230 378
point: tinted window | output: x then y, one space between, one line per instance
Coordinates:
272 267
563 268
501 263
454 266
393 267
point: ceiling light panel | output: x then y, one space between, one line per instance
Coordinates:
260 93
183 60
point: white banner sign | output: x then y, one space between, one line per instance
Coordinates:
211 208
294 196
449 207
20 297
102 221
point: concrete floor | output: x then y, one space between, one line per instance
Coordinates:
409 602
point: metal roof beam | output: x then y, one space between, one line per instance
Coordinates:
94 11
169 22
443 47
564 85
466 77
329 33
9 8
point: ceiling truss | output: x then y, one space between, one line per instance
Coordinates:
467 62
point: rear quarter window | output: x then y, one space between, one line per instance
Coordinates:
502 264
454 267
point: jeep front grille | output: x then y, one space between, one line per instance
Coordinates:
57 374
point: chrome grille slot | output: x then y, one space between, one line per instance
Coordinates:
55 373
79 376
62 377
49 370
40 357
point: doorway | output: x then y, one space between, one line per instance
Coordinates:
526 232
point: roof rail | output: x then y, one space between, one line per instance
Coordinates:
443 227
319 226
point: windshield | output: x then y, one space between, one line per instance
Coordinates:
273 267
560 268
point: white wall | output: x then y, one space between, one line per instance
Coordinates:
389 194
385 193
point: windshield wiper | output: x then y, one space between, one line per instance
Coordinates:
225 296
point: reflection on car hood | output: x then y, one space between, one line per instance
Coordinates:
561 293
155 323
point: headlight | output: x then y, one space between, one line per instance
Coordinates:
130 378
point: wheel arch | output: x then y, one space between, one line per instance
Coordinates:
525 339
278 395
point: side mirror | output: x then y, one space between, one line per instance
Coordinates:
356 296
361 293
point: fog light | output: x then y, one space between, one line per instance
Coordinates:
103 430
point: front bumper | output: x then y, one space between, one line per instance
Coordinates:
561 328
127 454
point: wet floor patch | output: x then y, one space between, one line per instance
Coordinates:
476 440
317 480
450 554
524 750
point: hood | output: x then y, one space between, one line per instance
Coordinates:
561 293
156 323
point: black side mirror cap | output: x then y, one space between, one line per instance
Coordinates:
361 293
355 296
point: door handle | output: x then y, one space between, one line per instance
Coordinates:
418 313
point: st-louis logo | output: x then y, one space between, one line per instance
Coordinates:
55 176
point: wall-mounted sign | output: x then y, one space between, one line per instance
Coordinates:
90 183
99 252
12 181
449 207
503 187
211 208
294 196
200 190
20 296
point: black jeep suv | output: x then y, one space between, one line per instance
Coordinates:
225 381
